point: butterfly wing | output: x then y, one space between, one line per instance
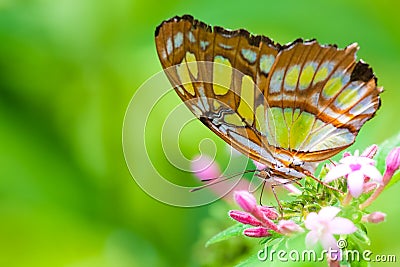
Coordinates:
319 98
273 103
202 64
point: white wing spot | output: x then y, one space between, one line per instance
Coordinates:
204 44
276 81
224 46
266 62
169 46
178 39
249 55
191 37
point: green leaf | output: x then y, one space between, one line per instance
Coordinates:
383 151
235 230
350 257
253 260
274 242
361 236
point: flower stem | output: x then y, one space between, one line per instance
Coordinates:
333 263
374 195
347 199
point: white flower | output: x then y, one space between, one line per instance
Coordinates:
324 225
355 168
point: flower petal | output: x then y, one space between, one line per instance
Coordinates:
328 241
289 186
328 213
370 151
312 238
355 183
288 227
393 161
292 189
356 159
342 226
256 232
244 217
312 221
372 172
336 172
245 200
270 212
369 186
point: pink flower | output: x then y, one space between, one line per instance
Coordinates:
254 215
392 164
271 213
369 186
346 154
324 225
288 227
370 151
374 217
244 217
205 167
256 232
245 200
355 168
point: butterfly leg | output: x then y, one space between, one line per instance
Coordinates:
322 183
277 199
262 191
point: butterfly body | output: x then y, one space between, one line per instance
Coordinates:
285 106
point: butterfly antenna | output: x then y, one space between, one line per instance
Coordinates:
218 180
230 176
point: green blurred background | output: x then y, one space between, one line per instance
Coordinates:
68 71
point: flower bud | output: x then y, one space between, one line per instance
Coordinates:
369 186
374 217
288 227
346 154
392 164
244 217
245 200
370 151
256 232
270 212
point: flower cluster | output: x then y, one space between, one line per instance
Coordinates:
321 211
322 226
358 170
361 174
261 217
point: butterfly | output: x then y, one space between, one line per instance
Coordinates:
285 106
